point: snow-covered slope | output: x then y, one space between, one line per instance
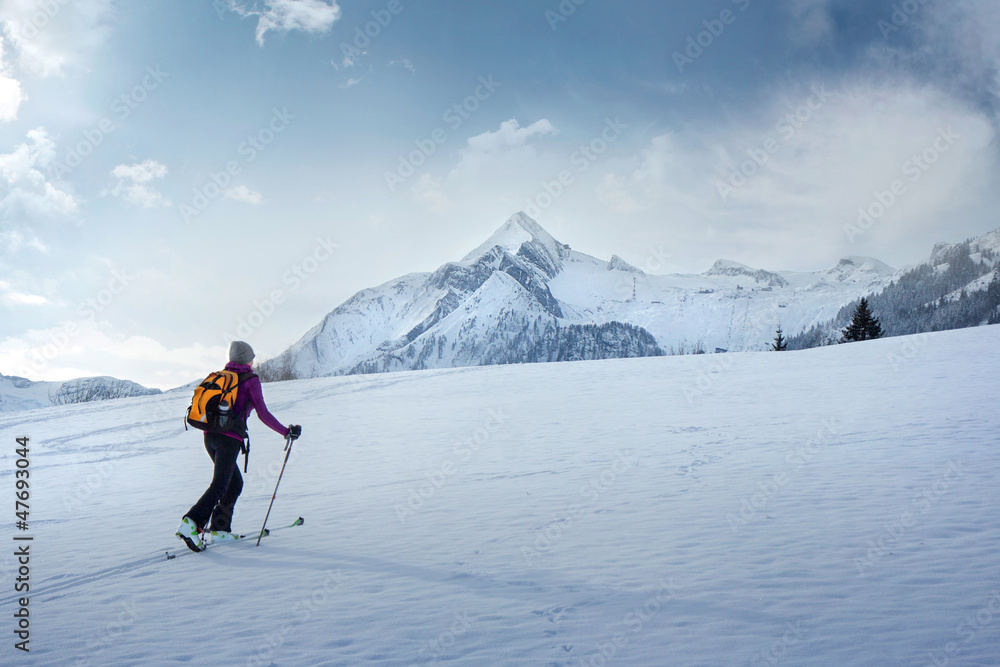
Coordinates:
836 506
535 283
17 393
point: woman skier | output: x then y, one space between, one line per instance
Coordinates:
219 499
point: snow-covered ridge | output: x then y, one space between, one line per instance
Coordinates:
514 298
734 269
850 266
17 393
619 264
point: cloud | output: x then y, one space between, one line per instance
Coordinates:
11 297
351 58
244 194
970 38
133 180
11 94
26 191
312 16
89 347
50 36
791 176
953 46
11 97
405 63
510 135
353 81
510 138
11 241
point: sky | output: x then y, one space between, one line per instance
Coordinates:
174 175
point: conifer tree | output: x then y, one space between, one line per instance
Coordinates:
780 342
863 326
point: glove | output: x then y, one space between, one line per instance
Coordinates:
295 431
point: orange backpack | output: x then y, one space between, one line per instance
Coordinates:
211 407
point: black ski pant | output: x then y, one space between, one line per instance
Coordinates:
219 500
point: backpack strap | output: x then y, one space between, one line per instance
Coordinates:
245 447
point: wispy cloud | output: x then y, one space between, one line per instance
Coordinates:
9 296
282 16
405 63
134 183
510 137
244 194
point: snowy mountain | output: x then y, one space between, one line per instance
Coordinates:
522 296
17 393
958 287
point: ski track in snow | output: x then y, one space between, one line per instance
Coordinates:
829 507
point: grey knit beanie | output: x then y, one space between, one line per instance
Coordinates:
240 352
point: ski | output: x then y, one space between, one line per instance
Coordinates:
239 538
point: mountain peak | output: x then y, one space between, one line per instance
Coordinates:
619 264
854 263
518 230
724 267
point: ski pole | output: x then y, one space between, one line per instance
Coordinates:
288 450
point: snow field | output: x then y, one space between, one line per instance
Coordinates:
829 507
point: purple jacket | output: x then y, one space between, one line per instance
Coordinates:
249 392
